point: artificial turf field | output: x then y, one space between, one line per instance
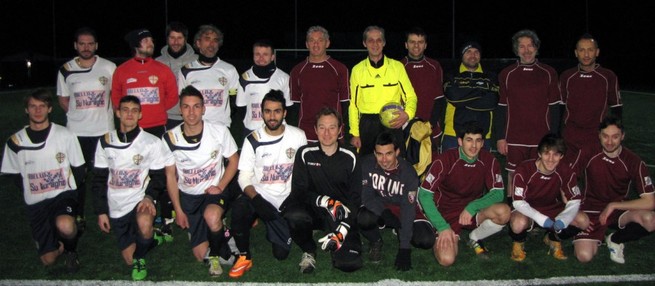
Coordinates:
173 263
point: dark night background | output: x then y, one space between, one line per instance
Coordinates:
42 30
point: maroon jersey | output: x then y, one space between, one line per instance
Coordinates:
544 191
316 85
528 91
587 97
456 182
610 179
426 76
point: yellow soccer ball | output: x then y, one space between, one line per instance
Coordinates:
388 113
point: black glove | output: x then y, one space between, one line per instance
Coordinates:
404 259
389 219
264 209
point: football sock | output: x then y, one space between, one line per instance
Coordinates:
518 237
486 228
568 232
142 246
215 241
70 244
632 231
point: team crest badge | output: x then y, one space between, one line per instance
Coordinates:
411 196
153 79
290 153
214 154
222 80
103 80
647 181
137 159
60 157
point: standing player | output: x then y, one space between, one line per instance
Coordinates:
216 79
374 82
318 81
175 55
265 171
529 103
196 178
453 195
44 158
610 172
589 92
326 193
87 80
426 76
546 193
472 95
389 186
149 80
129 175
257 81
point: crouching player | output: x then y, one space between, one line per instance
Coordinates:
453 195
610 172
325 194
546 193
43 157
196 179
389 185
129 173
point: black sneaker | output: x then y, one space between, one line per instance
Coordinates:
72 262
375 251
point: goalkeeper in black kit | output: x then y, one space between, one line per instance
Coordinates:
325 195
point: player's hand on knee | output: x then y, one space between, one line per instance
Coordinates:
264 209
333 241
337 210
146 205
181 220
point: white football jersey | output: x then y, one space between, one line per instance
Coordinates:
216 83
89 110
45 167
128 165
271 159
252 90
199 165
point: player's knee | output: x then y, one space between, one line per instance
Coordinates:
518 224
581 221
280 253
349 265
503 214
298 217
648 221
66 226
367 219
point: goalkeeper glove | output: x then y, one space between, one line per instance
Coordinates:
333 241
335 208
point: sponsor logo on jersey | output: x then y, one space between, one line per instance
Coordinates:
222 80
131 80
469 165
153 79
315 164
124 179
608 160
429 178
147 95
417 66
290 153
317 66
47 181
60 157
214 154
586 76
213 97
518 191
275 174
103 80
647 181
544 178
137 159
528 69
89 99
193 177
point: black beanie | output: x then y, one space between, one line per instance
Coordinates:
469 45
134 37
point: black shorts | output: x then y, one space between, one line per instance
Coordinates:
126 229
43 218
194 208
